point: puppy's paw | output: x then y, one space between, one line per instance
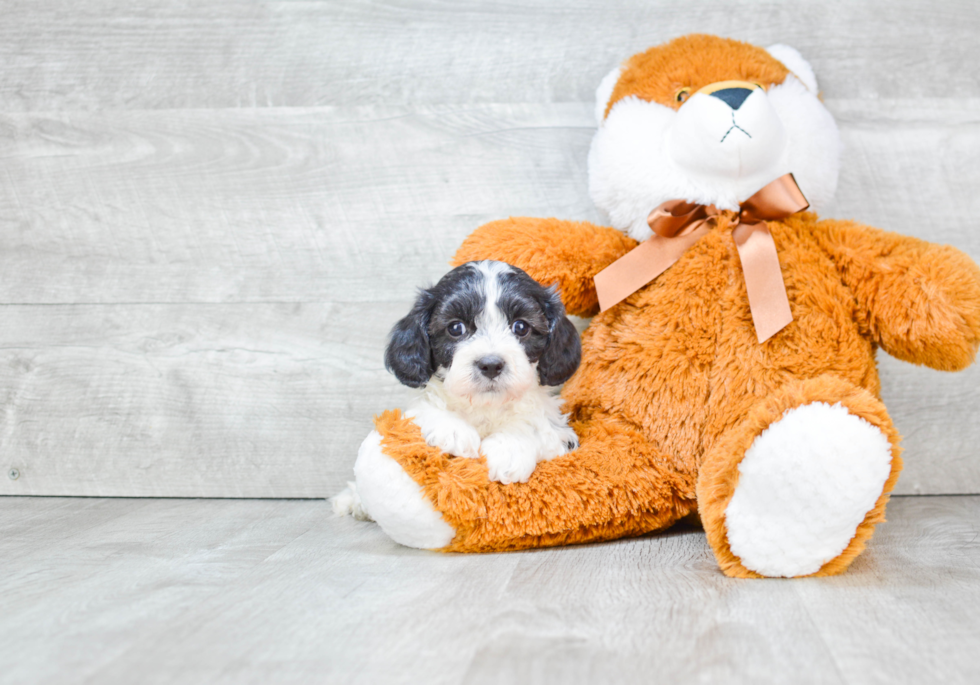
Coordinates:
509 459
453 436
565 441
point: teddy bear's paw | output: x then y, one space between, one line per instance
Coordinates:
805 485
509 458
348 503
395 501
451 435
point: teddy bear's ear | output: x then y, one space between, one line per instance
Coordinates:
794 61
604 92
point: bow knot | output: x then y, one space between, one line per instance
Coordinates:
678 224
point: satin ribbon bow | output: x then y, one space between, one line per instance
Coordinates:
677 225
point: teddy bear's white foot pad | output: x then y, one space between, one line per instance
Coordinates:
804 487
395 501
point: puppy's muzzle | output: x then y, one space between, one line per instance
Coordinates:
491 367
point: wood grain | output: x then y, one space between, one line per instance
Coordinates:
259 591
272 400
282 205
212 214
364 204
108 54
240 270
202 400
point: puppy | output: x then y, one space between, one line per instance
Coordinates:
485 344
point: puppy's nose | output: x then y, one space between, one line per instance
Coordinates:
490 366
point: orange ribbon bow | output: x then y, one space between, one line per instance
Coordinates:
677 225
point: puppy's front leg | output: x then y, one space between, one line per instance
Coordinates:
446 430
511 455
514 451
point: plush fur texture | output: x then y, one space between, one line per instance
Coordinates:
693 61
674 390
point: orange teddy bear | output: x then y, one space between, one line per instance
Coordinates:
782 448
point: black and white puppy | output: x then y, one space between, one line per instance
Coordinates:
485 343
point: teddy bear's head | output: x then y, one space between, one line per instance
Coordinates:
708 120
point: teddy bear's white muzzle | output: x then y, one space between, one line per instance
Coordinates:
727 134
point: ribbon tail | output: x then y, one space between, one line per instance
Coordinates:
641 265
763 279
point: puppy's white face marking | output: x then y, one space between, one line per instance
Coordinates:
490 365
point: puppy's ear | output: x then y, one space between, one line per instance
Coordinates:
408 354
564 351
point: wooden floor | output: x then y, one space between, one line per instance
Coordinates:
278 591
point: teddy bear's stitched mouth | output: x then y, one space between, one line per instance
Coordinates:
734 126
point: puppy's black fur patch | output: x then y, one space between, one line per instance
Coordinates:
553 342
564 351
461 298
408 354
420 343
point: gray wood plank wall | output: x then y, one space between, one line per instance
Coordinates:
211 213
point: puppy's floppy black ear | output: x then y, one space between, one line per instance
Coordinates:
408 354
564 352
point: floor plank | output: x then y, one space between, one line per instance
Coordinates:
256 591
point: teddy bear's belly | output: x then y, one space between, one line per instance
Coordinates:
681 360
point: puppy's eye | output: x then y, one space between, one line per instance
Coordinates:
457 328
683 94
520 328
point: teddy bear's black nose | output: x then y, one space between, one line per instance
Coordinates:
733 97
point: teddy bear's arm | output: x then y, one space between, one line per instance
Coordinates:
568 253
921 300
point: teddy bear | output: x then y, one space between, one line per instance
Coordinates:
728 374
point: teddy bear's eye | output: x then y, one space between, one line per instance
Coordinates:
683 94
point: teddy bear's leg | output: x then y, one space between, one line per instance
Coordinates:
615 485
797 486
392 499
